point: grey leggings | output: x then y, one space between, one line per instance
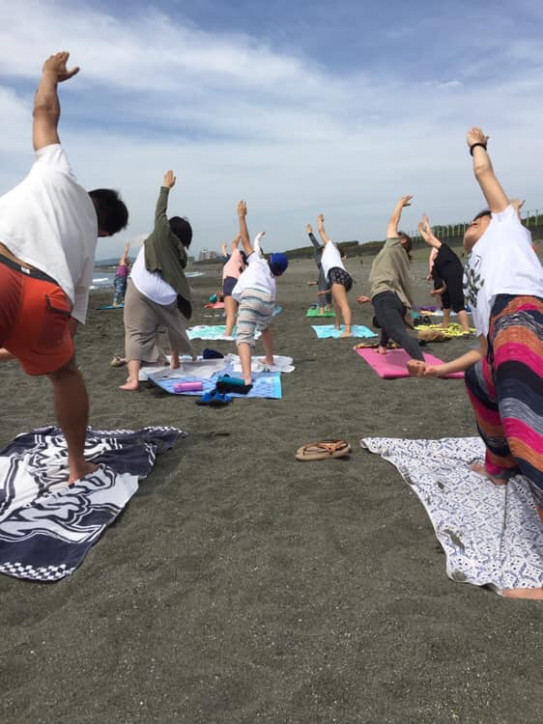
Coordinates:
389 314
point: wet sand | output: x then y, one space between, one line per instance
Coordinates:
243 586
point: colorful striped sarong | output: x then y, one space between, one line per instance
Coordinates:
506 392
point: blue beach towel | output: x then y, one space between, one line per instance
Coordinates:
265 384
324 331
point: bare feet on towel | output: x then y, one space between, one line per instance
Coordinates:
480 469
533 593
78 471
346 333
266 361
174 364
130 386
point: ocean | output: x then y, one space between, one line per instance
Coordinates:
104 279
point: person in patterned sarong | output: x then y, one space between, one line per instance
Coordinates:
503 283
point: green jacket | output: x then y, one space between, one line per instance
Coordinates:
165 254
390 272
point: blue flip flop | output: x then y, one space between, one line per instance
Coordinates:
214 399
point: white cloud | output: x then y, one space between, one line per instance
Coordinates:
235 119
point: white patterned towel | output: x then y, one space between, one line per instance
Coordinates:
491 535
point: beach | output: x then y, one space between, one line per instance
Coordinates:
241 585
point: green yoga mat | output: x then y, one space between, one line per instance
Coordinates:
314 312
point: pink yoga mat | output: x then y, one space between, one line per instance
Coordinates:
394 363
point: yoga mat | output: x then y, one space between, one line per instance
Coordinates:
265 384
491 535
200 369
110 306
393 364
216 331
453 330
212 331
324 331
47 527
314 312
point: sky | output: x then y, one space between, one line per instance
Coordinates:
297 107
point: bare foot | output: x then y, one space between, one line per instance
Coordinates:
130 386
381 350
174 364
533 593
266 361
80 471
346 333
480 469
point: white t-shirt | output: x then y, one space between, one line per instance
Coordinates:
331 258
257 276
151 284
49 222
501 262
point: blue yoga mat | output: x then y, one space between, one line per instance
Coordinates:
110 306
265 384
323 331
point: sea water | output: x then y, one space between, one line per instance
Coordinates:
104 279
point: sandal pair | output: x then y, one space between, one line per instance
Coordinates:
323 450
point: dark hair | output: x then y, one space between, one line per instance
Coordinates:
408 243
484 212
110 209
182 229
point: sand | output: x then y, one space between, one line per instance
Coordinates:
241 585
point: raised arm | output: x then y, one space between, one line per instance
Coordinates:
243 230
495 196
320 226
392 228
312 237
161 215
427 234
517 204
124 257
46 112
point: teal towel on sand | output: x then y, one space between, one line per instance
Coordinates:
323 331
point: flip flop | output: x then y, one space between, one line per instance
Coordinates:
118 361
323 450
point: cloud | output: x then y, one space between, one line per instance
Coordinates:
236 118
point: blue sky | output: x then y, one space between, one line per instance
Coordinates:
298 108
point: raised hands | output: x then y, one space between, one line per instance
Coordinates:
169 180
405 201
56 65
309 229
242 209
475 135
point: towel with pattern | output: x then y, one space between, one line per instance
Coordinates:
492 535
48 527
324 331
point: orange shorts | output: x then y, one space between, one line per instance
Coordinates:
34 320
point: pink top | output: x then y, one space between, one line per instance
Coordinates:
122 270
234 266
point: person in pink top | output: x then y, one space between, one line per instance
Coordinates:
230 274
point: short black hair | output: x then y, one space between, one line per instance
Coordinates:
110 209
484 212
182 229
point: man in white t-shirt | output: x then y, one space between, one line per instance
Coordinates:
48 230
255 292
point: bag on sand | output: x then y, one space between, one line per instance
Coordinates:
432 335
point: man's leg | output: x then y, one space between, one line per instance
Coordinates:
132 383
267 342
446 318
464 321
244 350
72 411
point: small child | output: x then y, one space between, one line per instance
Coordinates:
255 293
121 277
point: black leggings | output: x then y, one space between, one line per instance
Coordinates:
389 314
